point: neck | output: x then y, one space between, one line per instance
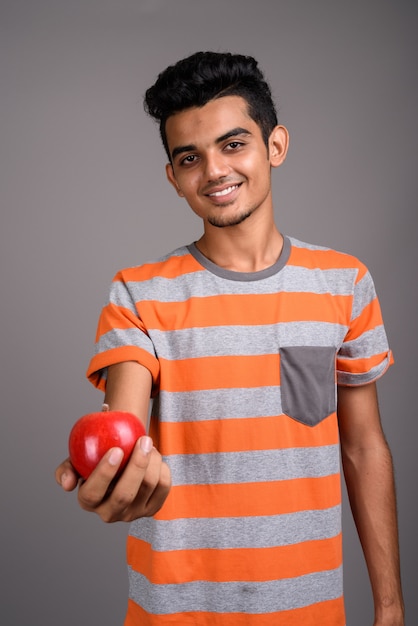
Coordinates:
243 248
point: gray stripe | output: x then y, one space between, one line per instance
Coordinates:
117 338
254 466
226 340
367 345
233 532
178 252
205 284
244 340
364 293
236 597
336 282
308 246
120 296
212 404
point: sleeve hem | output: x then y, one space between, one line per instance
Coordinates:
350 379
98 364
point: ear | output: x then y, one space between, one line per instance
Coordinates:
278 145
172 179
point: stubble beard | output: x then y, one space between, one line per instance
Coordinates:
220 221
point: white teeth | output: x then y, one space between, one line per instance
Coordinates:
224 192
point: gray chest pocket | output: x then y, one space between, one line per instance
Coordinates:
308 382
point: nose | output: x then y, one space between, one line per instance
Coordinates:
216 166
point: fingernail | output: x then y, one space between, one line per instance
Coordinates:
115 457
63 479
146 444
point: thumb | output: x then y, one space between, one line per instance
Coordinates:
66 476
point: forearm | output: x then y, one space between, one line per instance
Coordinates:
129 388
370 484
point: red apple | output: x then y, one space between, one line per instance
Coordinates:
94 434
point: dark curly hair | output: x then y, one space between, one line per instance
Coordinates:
205 76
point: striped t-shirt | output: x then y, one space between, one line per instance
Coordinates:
245 370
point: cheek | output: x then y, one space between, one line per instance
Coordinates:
253 163
189 190
188 183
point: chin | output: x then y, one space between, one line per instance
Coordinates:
224 221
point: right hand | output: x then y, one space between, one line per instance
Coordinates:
140 491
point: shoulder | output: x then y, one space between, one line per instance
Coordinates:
313 256
168 266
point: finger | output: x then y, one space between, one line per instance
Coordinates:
152 477
150 493
93 491
160 487
66 476
126 489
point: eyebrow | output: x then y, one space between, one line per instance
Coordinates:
235 132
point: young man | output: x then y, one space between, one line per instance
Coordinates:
261 353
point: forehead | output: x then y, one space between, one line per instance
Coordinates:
203 125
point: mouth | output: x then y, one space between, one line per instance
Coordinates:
223 192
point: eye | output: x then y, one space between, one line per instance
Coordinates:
234 145
188 160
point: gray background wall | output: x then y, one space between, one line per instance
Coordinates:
83 193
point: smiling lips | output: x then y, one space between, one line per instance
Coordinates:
221 193
224 192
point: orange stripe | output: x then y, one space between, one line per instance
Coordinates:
114 316
369 318
231 435
238 564
220 372
255 309
329 613
361 366
326 260
251 499
172 268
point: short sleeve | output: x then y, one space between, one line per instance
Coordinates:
365 354
121 336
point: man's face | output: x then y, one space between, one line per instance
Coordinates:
220 163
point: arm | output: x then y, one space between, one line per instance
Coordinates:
368 472
144 485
